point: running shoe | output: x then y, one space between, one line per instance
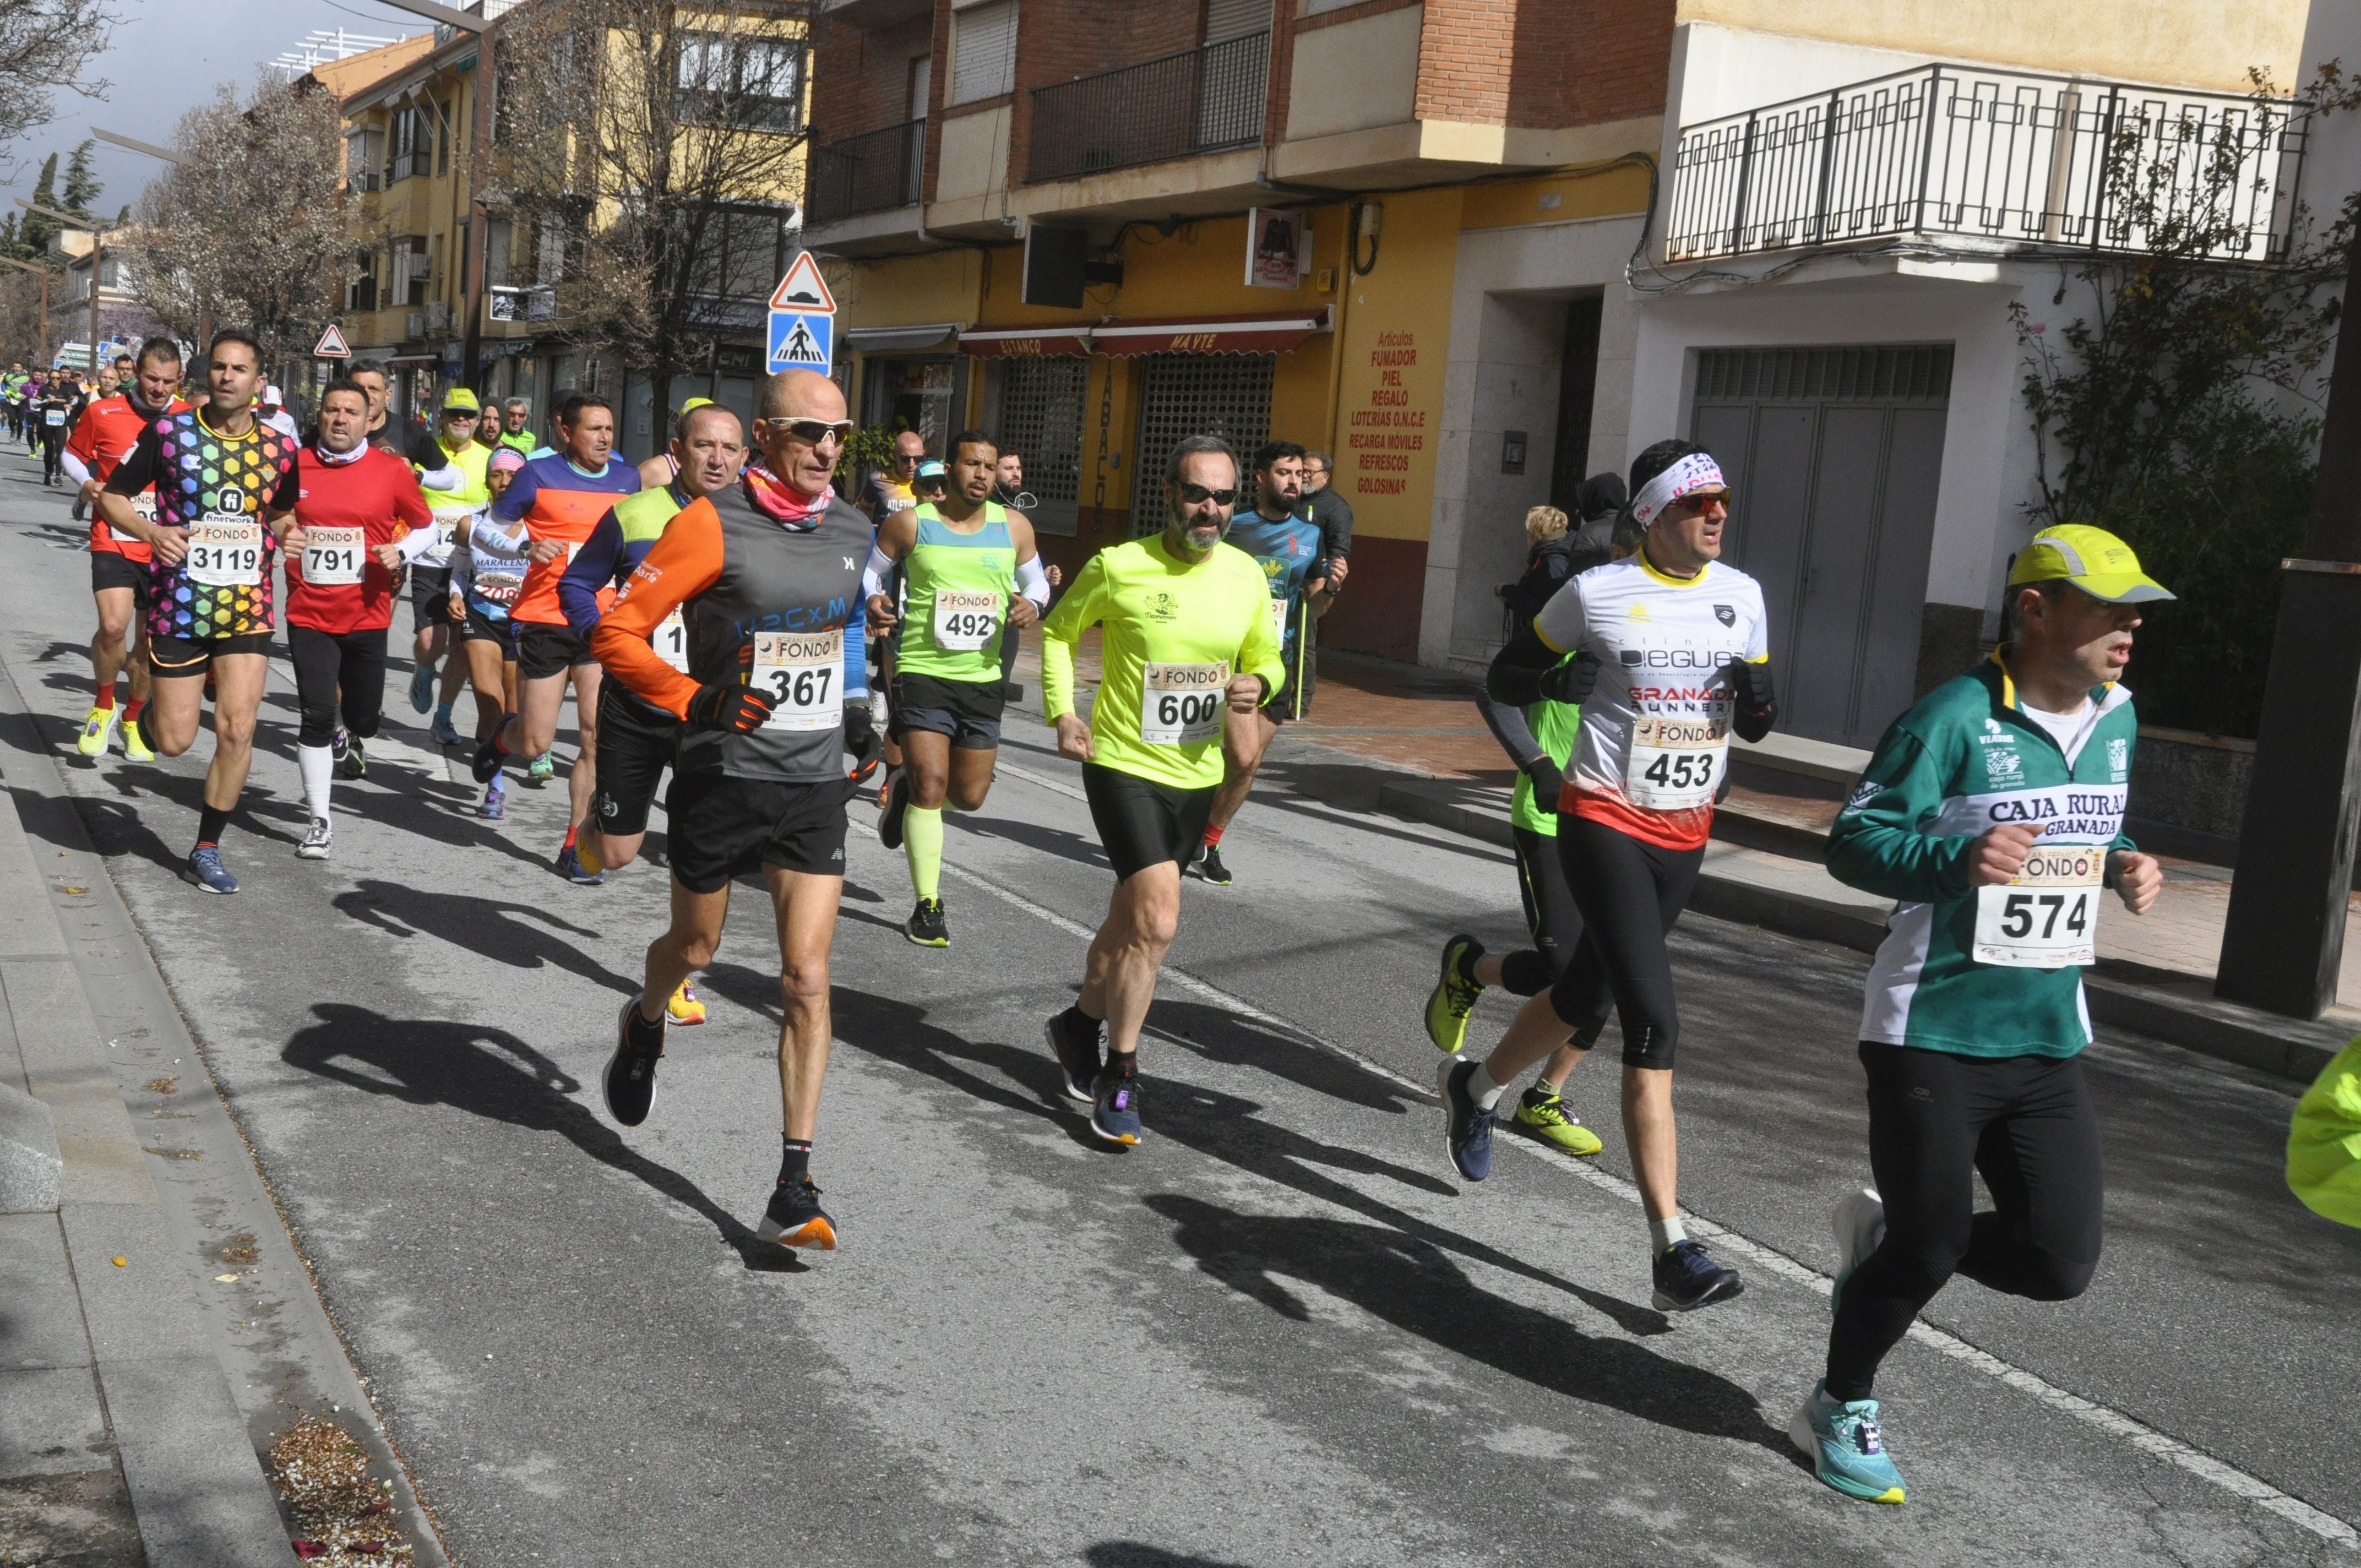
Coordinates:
204 869
1466 1126
1448 1004
541 770
422 688
896 801
1208 866
314 846
1114 1101
485 764
1686 1278
795 1218
340 745
570 867
1078 1056
135 741
925 925
1859 1225
1543 1114
1846 1446
496 803
96 730
684 1008
629 1083
354 763
446 734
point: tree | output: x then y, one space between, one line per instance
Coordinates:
44 45
37 229
250 232
650 160
82 188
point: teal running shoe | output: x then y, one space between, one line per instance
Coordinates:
1846 1446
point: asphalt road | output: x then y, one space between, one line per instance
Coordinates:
1280 1331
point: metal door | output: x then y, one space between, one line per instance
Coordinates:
1227 395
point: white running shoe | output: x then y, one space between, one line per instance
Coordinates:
314 846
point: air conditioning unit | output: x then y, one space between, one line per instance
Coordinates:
414 324
438 315
421 263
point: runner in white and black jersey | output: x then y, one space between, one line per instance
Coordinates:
1670 655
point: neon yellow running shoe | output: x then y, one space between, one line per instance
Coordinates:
135 741
684 1006
1454 998
96 730
1543 1114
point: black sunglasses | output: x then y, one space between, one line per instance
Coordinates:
1198 495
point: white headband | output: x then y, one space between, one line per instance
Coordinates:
1693 473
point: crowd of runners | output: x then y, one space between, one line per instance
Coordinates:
722 613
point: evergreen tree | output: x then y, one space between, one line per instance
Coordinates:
36 230
82 186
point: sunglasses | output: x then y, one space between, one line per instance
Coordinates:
1702 499
812 432
1198 495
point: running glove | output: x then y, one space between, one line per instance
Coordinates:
1750 688
861 741
1571 680
732 709
1548 781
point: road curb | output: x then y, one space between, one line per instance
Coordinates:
2175 1008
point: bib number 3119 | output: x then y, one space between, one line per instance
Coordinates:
225 553
1180 704
800 670
2049 916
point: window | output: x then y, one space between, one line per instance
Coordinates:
360 294
747 83
496 252
364 156
737 253
414 144
983 51
412 265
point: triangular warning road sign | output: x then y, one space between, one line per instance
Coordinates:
332 344
803 289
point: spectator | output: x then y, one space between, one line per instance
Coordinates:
1332 512
1008 482
516 424
884 493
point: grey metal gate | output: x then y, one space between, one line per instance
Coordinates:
1227 395
1835 456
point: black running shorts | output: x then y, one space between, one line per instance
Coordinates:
173 656
430 595
1142 823
721 827
482 628
111 569
545 651
636 744
967 711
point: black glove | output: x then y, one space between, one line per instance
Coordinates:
1548 780
1572 680
861 742
731 708
1752 695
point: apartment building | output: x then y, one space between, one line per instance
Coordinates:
1533 236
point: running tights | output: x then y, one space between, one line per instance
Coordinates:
1934 1117
1629 893
325 660
1550 916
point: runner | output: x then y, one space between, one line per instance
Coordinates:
1324 506
117 377
2323 1150
971 578
560 498
1993 812
61 404
359 516
455 506
760 781
1672 657
1539 739
1285 544
1186 625
118 563
272 411
885 493
226 487
488 570
11 394
516 426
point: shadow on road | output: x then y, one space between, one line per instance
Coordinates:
1409 1283
490 1073
494 929
1223 1037
1139 1555
1055 841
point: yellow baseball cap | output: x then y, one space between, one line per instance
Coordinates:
460 401
694 405
2092 559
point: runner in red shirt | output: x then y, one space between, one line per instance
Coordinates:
104 437
358 518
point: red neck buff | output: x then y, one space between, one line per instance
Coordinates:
773 497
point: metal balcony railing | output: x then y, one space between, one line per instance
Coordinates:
1200 100
874 173
503 302
2004 158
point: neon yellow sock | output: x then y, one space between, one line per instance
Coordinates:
922 841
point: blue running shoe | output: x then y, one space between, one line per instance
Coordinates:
446 734
1115 1101
570 867
422 688
1846 1446
485 764
1686 1278
204 869
1859 1225
496 803
1466 1126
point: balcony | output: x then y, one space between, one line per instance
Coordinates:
503 302
873 172
1999 159
1200 100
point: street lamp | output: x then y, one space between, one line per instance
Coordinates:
135 144
29 267
97 248
444 14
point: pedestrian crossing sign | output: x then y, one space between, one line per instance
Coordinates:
803 319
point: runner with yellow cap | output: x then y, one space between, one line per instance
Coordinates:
429 578
1993 812
661 469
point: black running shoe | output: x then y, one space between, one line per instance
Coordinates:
1686 1278
795 1218
631 1081
1209 867
486 762
897 801
925 925
354 763
1114 1101
1077 1053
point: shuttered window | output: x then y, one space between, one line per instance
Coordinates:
1226 20
983 51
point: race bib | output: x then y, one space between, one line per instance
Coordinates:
448 520
1180 704
1278 608
143 505
2047 917
225 553
1675 761
332 557
966 620
800 669
499 587
670 641
53 418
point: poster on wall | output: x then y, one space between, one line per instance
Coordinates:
1279 247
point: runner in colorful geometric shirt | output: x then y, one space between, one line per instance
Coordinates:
225 491
1993 812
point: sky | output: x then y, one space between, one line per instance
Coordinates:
162 59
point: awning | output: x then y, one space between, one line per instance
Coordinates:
1243 334
896 339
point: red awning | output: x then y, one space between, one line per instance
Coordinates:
1243 334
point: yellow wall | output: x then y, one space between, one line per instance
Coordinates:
1395 341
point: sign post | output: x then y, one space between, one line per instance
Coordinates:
802 333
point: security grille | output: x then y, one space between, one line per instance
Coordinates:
1227 395
1921 374
1042 417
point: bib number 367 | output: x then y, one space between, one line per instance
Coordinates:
1180 704
2049 916
800 670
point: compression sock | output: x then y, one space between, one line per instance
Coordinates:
211 824
319 766
105 695
795 1159
922 844
572 834
132 709
1481 1089
1666 1234
1212 836
1469 956
1074 1018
